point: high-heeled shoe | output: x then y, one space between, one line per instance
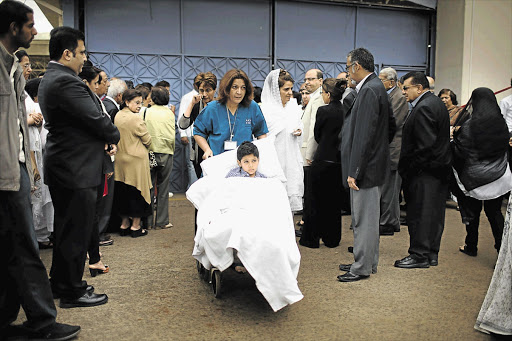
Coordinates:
95 272
124 232
139 233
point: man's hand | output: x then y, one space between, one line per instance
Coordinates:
207 154
309 162
184 140
352 183
112 151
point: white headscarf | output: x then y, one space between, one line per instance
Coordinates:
282 122
277 116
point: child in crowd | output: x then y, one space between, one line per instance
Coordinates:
248 158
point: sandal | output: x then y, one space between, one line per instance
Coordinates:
124 232
300 223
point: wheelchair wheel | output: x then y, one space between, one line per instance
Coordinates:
216 283
200 268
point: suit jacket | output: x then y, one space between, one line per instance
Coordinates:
111 108
329 120
400 109
426 139
309 144
77 130
368 129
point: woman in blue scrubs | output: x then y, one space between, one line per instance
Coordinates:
231 119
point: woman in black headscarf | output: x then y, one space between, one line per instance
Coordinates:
480 166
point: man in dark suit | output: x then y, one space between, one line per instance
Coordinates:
78 136
24 280
114 96
369 127
389 204
424 167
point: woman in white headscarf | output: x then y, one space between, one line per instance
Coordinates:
283 117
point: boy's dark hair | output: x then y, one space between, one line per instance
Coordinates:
64 38
247 148
13 12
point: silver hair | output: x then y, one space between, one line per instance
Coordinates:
117 86
389 72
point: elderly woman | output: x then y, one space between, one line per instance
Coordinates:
283 117
206 84
232 119
325 181
132 176
160 122
480 166
450 100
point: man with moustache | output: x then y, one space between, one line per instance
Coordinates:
313 83
424 166
103 86
24 281
79 134
368 128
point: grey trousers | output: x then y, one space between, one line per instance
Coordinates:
160 176
389 202
365 205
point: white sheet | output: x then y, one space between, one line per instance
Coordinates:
252 216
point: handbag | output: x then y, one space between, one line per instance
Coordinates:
152 157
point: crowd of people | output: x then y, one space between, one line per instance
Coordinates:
357 145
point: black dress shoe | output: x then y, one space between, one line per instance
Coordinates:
310 244
345 267
411 263
56 331
350 277
403 221
467 251
351 249
89 289
433 262
87 300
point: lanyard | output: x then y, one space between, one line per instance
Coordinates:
231 129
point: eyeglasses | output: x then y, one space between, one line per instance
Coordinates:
310 79
349 66
405 88
26 66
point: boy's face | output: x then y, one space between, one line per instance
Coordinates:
249 163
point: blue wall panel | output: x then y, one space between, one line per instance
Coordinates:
314 32
226 28
144 26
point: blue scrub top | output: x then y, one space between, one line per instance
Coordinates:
213 124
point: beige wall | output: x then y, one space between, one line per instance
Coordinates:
474 46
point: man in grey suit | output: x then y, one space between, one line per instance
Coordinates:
368 129
389 203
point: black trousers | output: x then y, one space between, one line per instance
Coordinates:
325 204
103 207
75 211
307 194
471 208
426 200
24 281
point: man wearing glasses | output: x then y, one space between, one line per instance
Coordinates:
367 131
424 167
313 82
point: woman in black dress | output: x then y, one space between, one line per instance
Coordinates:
325 180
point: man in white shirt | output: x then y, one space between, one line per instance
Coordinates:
186 134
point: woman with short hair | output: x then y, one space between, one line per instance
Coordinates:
325 204
160 123
132 176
